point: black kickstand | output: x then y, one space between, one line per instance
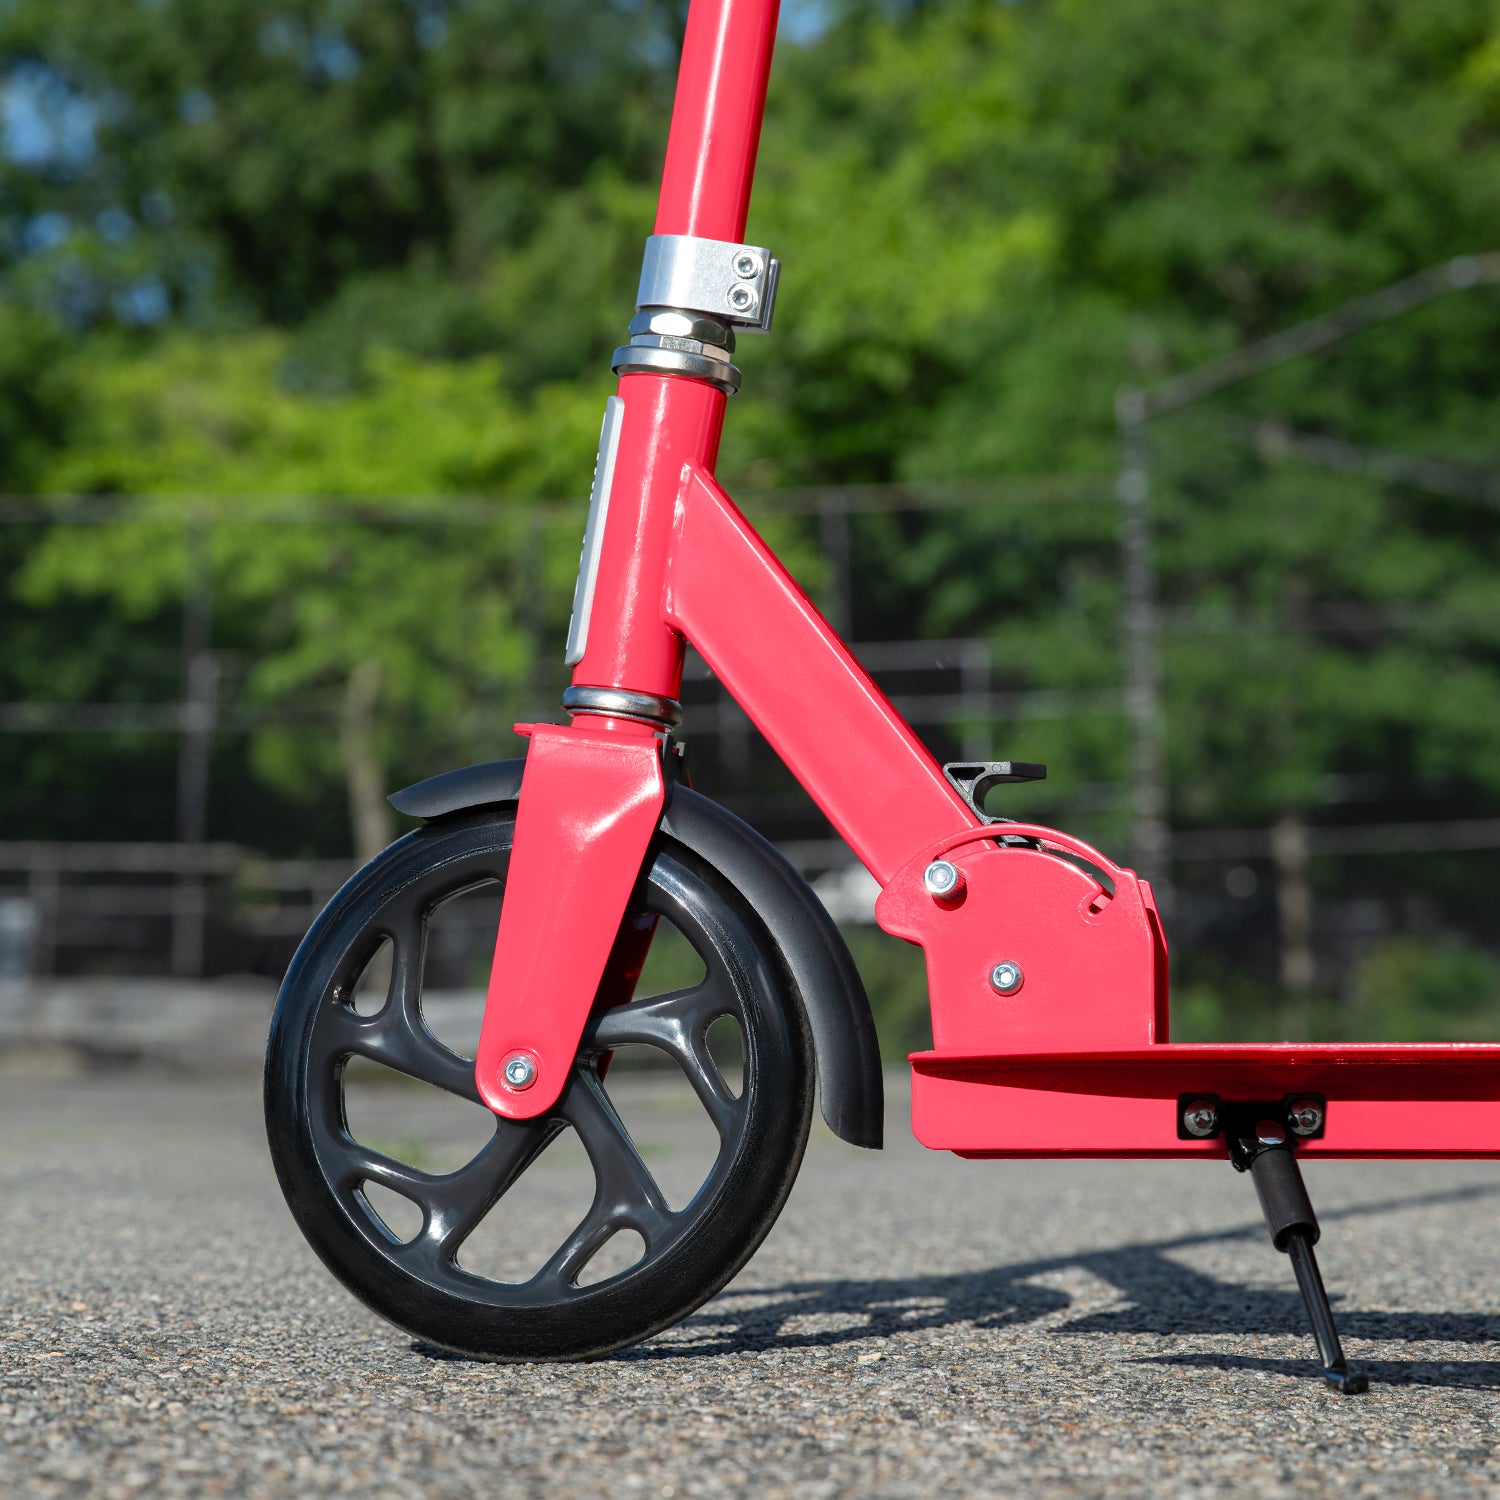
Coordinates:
1262 1148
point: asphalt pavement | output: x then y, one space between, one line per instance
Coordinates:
915 1326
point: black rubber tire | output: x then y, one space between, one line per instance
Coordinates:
420 1286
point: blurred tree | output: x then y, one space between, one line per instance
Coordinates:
401 623
363 168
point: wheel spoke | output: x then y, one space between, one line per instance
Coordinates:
677 1023
556 1278
397 1035
665 1021
407 926
460 1200
625 1194
708 1083
454 1203
625 1184
353 1163
405 1045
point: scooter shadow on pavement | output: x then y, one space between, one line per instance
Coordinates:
1144 1289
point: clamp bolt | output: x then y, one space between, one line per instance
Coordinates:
747 264
1305 1116
742 297
1201 1119
943 880
519 1070
1006 977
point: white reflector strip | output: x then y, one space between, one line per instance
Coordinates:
593 532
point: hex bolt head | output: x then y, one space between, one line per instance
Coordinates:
742 297
1305 1116
519 1070
1201 1119
1006 977
943 880
747 264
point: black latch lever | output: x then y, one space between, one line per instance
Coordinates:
972 780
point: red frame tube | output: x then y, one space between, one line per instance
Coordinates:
783 664
721 99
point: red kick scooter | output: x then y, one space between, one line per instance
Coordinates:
1046 962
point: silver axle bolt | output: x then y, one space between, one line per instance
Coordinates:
943 880
1201 1119
1006 977
519 1070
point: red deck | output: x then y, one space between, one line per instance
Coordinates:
1424 1100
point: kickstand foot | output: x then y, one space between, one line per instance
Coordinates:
1262 1148
1299 1247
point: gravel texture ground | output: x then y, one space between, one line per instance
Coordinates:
915 1326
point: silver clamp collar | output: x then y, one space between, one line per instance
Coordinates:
734 283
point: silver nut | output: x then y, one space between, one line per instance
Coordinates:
1305 1116
672 322
748 264
1201 1119
1006 977
942 879
519 1070
743 297
682 345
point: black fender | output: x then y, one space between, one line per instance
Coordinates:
850 1085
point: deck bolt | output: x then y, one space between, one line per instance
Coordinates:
943 880
1200 1118
1006 978
1305 1116
519 1070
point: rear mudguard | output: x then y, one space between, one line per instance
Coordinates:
816 957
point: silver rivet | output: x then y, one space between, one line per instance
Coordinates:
520 1070
1305 1116
1006 978
742 297
747 264
1200 1118
942 879
1270 1133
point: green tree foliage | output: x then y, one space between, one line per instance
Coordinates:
419 596
363 168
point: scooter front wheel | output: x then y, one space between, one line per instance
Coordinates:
420 1281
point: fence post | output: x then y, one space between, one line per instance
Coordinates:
1150 834
833 535
197 718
